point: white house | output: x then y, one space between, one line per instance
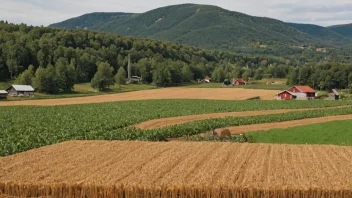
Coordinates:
20 90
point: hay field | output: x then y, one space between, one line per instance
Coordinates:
183 169
166 93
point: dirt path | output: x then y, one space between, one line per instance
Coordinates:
165 93
163 122
286 124
163 169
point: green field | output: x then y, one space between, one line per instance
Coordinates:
27 127
336 132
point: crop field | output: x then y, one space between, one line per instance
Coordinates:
178 169
166 93
334 132
24 128
164 122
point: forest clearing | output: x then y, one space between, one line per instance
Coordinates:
186 169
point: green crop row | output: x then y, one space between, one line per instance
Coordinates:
23 128
197 127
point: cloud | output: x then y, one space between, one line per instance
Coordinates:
45 12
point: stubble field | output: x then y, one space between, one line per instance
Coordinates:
166 93
113 168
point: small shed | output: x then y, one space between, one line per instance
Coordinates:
286 95
207 79
3 94
240 81
20 90
136 79
334 95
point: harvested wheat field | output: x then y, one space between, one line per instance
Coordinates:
284 125
166 93
178 169
163 122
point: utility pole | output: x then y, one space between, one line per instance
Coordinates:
129 68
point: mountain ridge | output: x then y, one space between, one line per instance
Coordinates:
210 27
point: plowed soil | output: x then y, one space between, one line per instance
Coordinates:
163 122
166 93
284 125
111 168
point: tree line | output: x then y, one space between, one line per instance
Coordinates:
53 60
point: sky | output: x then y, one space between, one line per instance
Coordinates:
46 12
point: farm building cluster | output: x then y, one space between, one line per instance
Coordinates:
303 93
233 82
17 91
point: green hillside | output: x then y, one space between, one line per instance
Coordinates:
345 30
209 27
322 33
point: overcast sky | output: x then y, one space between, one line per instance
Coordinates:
45 12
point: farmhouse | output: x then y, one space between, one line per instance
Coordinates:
240 81
334 95
20 90
303 92
297 92
3 94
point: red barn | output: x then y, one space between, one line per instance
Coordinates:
240 81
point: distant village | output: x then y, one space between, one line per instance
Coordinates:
323 50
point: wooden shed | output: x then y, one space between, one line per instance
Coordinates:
20 90
3 94
334 95
286 95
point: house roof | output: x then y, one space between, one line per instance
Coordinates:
335 92
240 80
207 78
3 92
22 88
305 89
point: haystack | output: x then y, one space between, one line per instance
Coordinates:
222 132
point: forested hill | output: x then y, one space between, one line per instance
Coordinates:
322 33
53 60
213 28
345 30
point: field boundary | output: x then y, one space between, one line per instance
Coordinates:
164 122
284 125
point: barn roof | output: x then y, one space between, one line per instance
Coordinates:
335 92
22 88
294 94
305 89
3 92
240 80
